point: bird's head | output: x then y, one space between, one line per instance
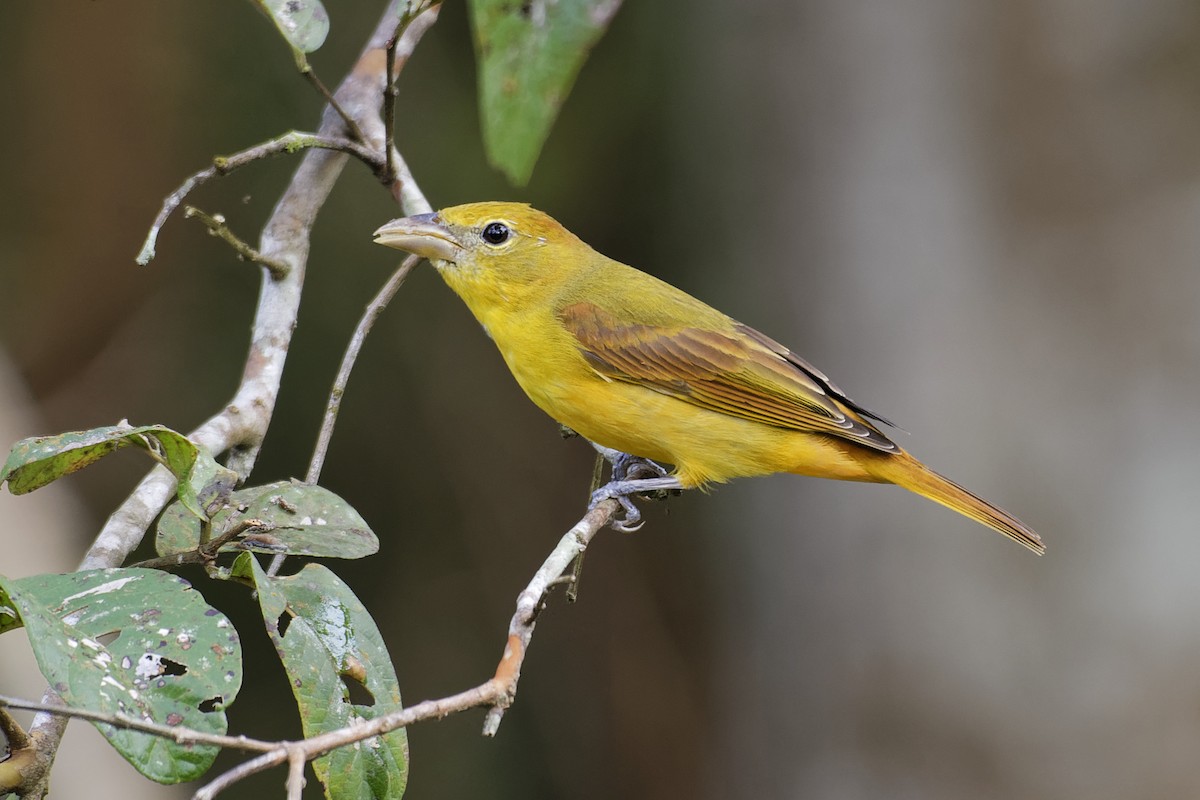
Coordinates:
490 252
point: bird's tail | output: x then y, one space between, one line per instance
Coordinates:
904 470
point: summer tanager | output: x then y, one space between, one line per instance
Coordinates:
636 365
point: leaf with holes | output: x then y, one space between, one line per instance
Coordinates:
528 55
298 519
36 462
137 642
340 673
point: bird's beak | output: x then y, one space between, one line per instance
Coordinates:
421 234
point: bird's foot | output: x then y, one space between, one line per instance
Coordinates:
622 490
627 467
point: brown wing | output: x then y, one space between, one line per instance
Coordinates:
741 373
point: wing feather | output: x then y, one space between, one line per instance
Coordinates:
741 373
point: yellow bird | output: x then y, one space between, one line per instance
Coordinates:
636 365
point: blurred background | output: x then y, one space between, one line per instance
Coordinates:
981 219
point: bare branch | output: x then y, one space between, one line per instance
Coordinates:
207 552
317 746
389 94
389 114
290 142
217 227
178 734
529 602
374 309
240 772
295 779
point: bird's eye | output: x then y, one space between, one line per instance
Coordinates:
496 233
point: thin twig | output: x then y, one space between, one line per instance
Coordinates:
217 227
351 126
373 310
177 734
389 112
398 177
389 92
520 629
240 772
206 552
316 746
290 142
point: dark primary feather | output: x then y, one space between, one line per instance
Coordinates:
742 373
812 371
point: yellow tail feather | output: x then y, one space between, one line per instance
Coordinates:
904 470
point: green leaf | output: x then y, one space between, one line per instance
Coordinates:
209 484
304 24
36 462
10 619
174 659
330 642
298 519
528 55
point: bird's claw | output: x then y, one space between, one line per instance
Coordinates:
631 519
623 490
